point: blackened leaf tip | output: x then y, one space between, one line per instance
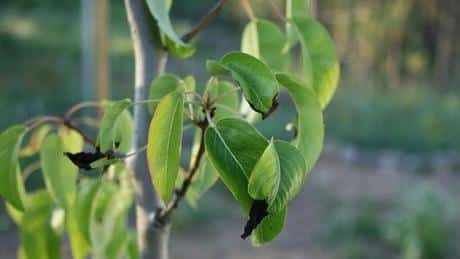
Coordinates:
83 160
257 213
265 115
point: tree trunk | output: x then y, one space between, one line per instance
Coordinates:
445 42
152 240
95 65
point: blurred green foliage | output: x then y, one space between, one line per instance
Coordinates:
414 119
421 225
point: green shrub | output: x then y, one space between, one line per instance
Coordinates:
421 227
409 119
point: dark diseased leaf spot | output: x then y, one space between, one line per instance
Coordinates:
257 213
84 159
270 111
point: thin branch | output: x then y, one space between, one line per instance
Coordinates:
30 169
277 10
43 119
148 101
80 106
247 9
63 122
164 215
88 121
204 22
134 153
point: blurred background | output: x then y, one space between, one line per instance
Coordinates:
388 183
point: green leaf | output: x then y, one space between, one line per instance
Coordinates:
124 131
35 141
295 8
226 98
310 125
270 227
321 66
108 135
15 214
109 213
257 81
72 141
189 83
11 185
160 11
85 198
265 177
179 50
265 41
161 86
38 239
293 169
78 242
59 172
215 68
234 147
133 251
164 143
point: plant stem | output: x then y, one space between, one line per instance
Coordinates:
152 241
80 106
63 122
204 22
247 9
164 215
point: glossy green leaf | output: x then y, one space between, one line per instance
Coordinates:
265 177
38 239
234 147
85 197
164 143
226 98
256 80
33 146
161 86
265 41
321 66
72 141
59 172
293 169
108 136
215 68
310 125
270 227
295 8
160 11
11 185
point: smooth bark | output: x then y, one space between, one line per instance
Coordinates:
149 61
